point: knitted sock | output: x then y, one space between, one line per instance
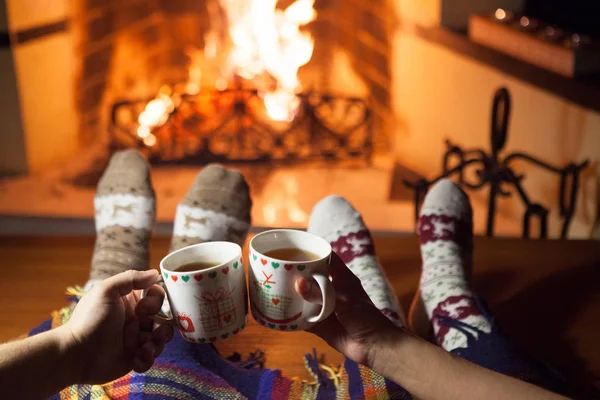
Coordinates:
335 220
217 207
125 212
446 233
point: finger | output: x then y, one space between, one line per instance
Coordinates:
146 324
122 284
144 337
152 302
129 304
131 339
144 357
163 334
308 289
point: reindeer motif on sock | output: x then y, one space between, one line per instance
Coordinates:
456 307
128 209
353 245
189 220
441 228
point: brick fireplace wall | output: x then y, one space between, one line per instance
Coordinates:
120 47
363 30
129 48
96 52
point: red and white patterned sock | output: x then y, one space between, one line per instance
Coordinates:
445 230
335 220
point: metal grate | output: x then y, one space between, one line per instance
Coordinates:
232 126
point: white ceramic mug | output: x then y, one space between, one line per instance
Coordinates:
209 304
273 298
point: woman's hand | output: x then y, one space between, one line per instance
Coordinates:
111 327
356 328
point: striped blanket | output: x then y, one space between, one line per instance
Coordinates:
191 371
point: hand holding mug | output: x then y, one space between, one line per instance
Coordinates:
356 328
112 330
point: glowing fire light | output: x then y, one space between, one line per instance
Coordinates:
155 114
268 40
267 47
150 140
157 111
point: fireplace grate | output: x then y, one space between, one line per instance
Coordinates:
232 126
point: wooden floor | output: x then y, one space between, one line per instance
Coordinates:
545 294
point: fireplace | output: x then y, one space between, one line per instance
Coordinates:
237 80
347 100
295 94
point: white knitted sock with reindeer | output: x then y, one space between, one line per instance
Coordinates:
445 231
335 220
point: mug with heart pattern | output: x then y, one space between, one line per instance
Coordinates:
273 299
209 304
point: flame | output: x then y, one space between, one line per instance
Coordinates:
155 114
267 48
267 40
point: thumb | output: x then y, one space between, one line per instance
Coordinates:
308 289
122 284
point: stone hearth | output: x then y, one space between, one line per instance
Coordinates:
283 197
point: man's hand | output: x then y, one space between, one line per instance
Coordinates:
356 328
111 329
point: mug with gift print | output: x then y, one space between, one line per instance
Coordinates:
206 291
277 259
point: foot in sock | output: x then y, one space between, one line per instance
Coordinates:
217 207
125 213
335 220
445 231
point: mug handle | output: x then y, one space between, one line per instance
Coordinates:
328 293
160 318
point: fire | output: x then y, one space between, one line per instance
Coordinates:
268 41
155 114
266 48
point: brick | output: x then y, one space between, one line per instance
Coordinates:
97 63
375 26
150 35
322 29
380 94
366 54
182 6
325 4
91 97
133 13
100 27
158 60
185 30
89 123
179 58
92 5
